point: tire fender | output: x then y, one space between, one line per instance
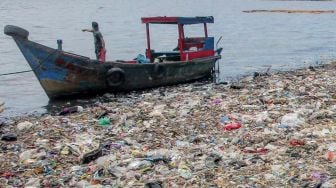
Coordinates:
15 31
115 77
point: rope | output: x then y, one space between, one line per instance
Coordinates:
19 72
40 65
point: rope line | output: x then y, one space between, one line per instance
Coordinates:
38 66
19 72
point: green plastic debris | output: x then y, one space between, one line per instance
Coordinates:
104 122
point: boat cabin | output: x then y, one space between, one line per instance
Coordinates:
187 48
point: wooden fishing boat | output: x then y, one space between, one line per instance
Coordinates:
62 73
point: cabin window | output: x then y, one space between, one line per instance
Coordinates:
195 30
163 37
164 42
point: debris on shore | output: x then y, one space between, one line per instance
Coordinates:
294 11
274 130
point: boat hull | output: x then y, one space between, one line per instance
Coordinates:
61 73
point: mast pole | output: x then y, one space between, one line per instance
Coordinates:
181 36
148 52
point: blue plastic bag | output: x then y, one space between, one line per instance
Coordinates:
142 59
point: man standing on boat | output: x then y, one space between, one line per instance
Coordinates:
98 42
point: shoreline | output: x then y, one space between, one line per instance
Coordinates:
259 131
53 107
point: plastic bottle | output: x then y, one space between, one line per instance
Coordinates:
135 165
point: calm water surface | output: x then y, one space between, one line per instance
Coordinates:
251 42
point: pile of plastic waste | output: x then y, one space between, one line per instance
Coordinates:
267 130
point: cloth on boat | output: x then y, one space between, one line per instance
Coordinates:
142 59
102 55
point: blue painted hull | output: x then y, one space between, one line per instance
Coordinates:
61 73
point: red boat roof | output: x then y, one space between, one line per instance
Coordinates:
177 20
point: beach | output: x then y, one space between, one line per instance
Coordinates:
269 129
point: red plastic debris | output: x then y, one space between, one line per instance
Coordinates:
232 126
260 151
295 142
330 155
7 175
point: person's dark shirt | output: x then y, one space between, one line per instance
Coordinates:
98 40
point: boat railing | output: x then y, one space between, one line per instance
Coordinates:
75 55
